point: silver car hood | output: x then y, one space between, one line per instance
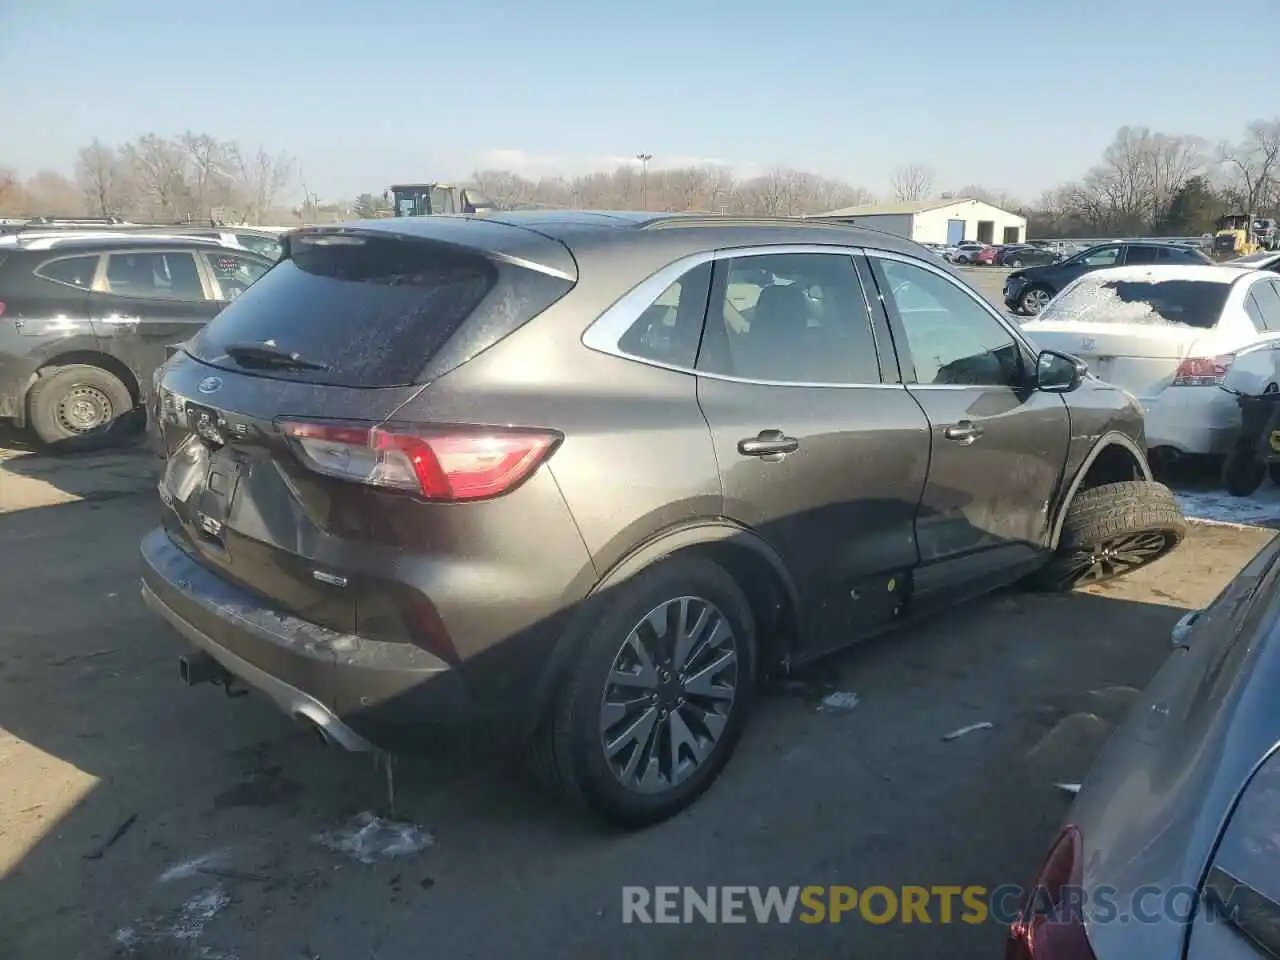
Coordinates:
1160 793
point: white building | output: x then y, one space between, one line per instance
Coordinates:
938 221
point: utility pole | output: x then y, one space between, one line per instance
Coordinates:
644 159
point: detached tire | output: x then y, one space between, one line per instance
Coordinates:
1242 473
1113 530
638 737
75 400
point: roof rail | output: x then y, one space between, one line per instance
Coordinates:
662 222
76 221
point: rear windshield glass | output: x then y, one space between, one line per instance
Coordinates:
1189 303
358 310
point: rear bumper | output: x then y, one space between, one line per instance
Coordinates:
359 691
1194 420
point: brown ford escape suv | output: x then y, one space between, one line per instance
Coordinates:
587 477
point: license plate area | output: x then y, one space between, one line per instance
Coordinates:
201 478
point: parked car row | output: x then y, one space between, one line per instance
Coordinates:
85 319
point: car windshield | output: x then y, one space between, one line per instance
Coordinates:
1176 301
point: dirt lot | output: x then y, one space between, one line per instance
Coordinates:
142 819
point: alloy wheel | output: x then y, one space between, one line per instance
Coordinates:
84 408
1034 300
669 694
1116 556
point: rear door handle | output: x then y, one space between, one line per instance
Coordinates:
965 432
768 444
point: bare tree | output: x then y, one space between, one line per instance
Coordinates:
504 188
13 195
911 182
211 173
103 179
262 177
158 168
49 193
1253 164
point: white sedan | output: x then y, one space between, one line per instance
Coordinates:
1168 335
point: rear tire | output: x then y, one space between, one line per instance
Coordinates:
1242 473
569 750
75 400
1110 531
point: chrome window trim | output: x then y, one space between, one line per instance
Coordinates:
1017 335
605 333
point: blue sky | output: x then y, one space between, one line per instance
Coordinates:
1012 94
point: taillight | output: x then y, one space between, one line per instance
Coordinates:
1203 371
1051 926
435 463
1 308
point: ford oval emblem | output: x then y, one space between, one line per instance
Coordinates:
210 385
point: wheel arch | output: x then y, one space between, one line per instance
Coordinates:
753 563
93 358
1114 457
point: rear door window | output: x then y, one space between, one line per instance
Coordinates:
164 276
1137 256
377 311
73 271
1102 257
797 318
1266 295
233 272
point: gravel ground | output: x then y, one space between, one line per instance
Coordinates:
142 819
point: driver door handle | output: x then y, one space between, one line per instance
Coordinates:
770 445
965 432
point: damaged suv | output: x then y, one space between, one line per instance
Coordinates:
586 478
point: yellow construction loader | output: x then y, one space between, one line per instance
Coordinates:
433 199
1234 237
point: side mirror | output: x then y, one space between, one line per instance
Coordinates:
1059 372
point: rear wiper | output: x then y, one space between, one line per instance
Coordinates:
268 355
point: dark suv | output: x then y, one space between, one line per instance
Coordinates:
587 477
1027 291
84 323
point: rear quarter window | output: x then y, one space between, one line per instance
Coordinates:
378 311
73 271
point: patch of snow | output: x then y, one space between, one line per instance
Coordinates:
126 937
1221 507
197 911
838 702
367 838
190 868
